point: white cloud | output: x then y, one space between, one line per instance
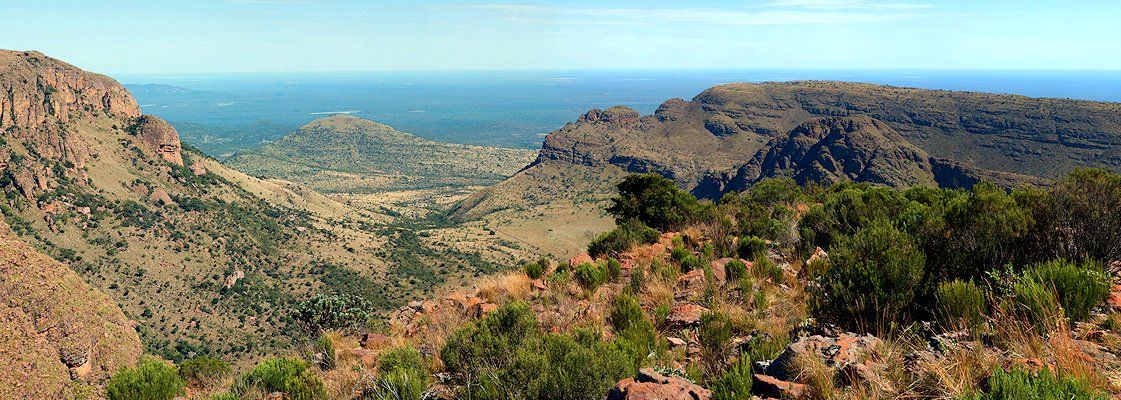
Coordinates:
786 12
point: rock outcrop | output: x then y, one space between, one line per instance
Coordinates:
158 136
55 327
650 385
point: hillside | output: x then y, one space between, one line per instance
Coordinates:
732 135
56 327
347 155
205 259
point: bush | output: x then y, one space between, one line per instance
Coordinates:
1037 303
153 379
626 312
763 268
628 234
325 352
734 382
614 269
203 371
397 358
655 201
715 331
590 275
536 269
505 355
959 304
735 269
873 280
399 384
685 259
1077 287
749 246
325 312
1019 385
284 375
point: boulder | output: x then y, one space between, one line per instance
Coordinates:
160 137
373 341
689 285
481 309
835 352
818 254
580 259
650 385
685 315
769 386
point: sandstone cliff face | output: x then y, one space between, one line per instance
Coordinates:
43 104
38 89
55 327
702 143
836 149
159 136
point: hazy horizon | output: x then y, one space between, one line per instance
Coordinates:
256 36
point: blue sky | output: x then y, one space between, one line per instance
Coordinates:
127 37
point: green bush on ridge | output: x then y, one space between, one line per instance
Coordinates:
152 379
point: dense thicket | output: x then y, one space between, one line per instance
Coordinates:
891 249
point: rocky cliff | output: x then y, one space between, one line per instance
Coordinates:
42 103
722 129
55 327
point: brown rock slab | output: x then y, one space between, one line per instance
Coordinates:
685 315
650 385
766 385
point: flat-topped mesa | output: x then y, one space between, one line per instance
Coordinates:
38 89
611 115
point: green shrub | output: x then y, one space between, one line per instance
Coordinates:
505 355
1078 287
638 278
325 312
685 259
735 269
1037 302
655 201
763 268
203 371
734 382
1022 385
398 384
325 352
614 269
284 375
536 269
152 379
714 332
590 275
764 347
628 234
625 312
960 304
749 246
396 358
873 281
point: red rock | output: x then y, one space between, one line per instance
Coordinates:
160 196
580 259
675 342
373 341
481 309
539 284
689 285
1115 297
835 352
160 137
818 254
766 385
650 385
684 315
